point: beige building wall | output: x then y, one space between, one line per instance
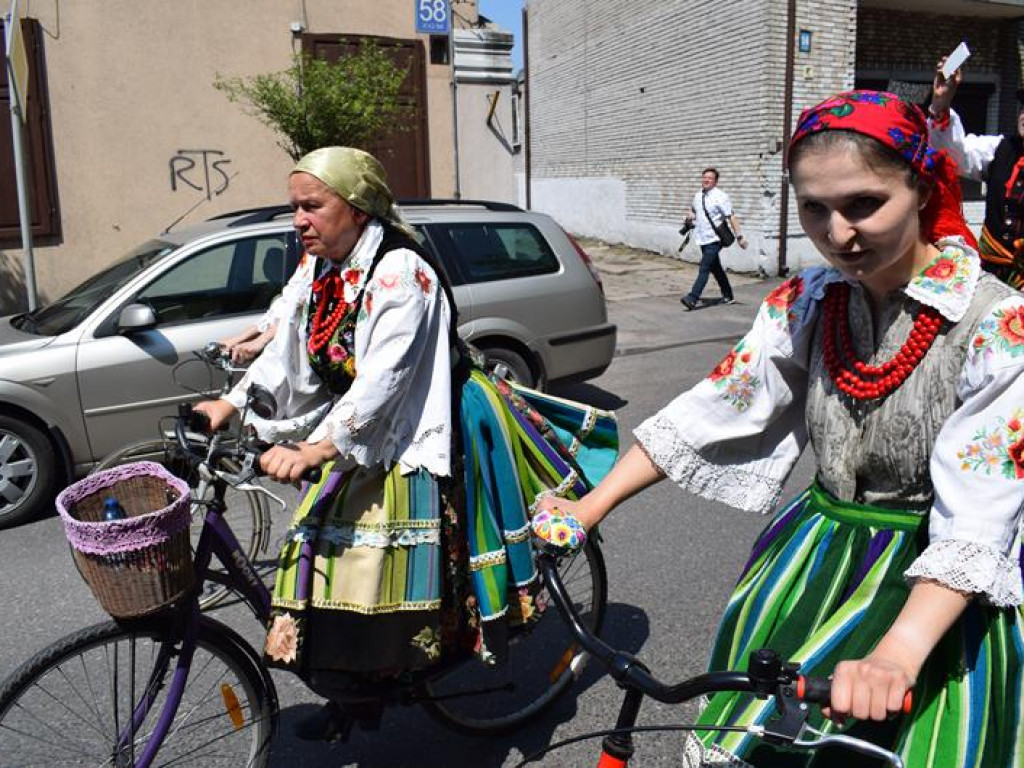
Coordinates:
131 86
487 141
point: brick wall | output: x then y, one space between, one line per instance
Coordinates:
893 41
630 101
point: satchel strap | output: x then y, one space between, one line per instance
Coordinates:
704 205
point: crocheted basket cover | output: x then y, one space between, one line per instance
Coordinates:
132 533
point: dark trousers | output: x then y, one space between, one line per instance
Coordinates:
710 263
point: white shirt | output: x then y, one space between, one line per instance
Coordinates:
292 293
718 205
399 405
736 439
972 152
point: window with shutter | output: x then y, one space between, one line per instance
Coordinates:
39 158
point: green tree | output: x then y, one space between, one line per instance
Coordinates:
315 103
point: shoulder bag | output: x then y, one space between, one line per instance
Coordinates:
722 231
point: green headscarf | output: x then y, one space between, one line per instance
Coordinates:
358 179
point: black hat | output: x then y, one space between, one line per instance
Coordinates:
1020 95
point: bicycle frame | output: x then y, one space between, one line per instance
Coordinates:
216 539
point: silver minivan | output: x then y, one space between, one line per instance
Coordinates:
97 369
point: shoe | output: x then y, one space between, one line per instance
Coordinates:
329 723
690 306
727 301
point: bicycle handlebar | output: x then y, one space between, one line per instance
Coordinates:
197 421
766 676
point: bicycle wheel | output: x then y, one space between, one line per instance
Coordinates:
70 703
245 511
543 660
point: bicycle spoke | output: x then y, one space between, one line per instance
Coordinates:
207 743
44 719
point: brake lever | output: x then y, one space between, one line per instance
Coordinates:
243 479
857 745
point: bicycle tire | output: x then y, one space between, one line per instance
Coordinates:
245 511
547 640
55 710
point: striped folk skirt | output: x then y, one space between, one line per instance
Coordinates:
383 572
823 584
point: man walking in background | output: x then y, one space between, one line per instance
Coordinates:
710 211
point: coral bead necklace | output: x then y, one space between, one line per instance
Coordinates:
856 378
326 323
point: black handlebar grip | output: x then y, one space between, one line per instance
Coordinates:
311 475
199 422
818 690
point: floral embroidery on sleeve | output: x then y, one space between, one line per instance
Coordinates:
780 301
1002 331
735 379
423 281
1000 449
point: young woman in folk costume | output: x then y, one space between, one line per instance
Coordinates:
902 364
415 541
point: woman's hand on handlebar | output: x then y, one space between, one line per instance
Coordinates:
289 463
872 688
219 412
556 528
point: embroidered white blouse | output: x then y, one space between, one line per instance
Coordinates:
292 293
949 443
399 405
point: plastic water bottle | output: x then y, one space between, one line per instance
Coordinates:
112 509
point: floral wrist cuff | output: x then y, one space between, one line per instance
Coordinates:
558 533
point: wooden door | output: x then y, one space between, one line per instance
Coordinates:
405 153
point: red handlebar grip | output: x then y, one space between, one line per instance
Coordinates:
819 690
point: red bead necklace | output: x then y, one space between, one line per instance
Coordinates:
324 324
871 382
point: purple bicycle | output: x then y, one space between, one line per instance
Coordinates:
179 688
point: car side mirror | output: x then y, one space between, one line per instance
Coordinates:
135 318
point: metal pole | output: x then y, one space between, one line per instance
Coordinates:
24 216
787 132
527 159
455 96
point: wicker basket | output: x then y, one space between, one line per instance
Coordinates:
143 562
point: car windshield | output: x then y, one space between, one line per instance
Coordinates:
72 308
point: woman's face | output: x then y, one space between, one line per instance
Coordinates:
327 225
863 221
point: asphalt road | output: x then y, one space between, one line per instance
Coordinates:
672 560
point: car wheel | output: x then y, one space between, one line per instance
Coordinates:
28 471
510 365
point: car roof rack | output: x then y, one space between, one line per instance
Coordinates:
491 205
253 215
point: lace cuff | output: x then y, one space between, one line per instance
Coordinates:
970 568
731 484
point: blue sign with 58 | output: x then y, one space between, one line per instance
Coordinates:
432 17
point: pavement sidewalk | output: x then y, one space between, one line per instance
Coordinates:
643 289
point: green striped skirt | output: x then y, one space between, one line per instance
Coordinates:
824 582
383 572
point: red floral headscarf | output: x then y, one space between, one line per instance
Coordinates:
901 127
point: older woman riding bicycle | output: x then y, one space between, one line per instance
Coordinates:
414 544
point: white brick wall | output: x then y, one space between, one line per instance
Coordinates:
630 101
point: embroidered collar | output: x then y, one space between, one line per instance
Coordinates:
360 258
947 283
